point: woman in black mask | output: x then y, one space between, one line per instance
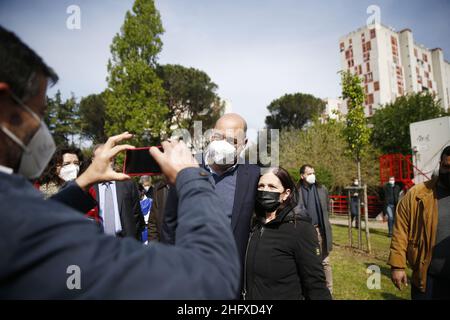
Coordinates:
283 257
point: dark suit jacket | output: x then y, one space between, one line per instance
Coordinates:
131 218
325 204
40 239
155 221
243 207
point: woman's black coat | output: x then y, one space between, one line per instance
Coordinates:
283 260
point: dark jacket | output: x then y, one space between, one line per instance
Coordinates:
40 239
324 203
160 192
283 260
391 194
131 218
244 202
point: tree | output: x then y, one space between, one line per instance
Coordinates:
323 146
293 111
62 119
191 96
356 131
391 123
92 116
135 97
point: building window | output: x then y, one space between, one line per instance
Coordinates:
369 98
429 68
368 66
366 89
400 90
430 84
427 75
425 58
370 110
393 41
415 52
342 47
368 77
366 56
372 33
359 69
376 86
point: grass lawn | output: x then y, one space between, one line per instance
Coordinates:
350 265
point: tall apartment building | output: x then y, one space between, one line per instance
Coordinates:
391 64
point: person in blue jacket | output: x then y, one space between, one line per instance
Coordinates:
50 251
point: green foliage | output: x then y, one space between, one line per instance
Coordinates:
135 96
323 146
92 116
293 111
62 119
191 96
391 123
356 131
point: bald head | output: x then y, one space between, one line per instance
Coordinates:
232 128
231 121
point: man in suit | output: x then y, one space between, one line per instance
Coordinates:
119 208
314 197
235 181
49 251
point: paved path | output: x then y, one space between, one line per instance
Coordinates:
373 224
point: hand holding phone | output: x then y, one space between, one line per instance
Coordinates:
176 157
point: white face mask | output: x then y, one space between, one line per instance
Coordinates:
146 188
69 172
356 183
220 152
311 179
39 151
392 182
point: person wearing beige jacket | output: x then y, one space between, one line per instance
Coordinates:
421 237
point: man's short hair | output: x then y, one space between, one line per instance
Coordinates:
20 66
303 168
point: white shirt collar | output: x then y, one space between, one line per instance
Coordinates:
6 170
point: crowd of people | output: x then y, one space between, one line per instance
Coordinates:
215 228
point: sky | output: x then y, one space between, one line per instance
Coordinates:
254 50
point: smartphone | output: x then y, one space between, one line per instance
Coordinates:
139 162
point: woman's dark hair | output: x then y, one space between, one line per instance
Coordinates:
288 183
50 174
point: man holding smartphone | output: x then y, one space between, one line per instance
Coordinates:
43 241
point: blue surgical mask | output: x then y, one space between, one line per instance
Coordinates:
37 153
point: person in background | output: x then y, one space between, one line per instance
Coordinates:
354 201
65 166
314 197
283 259
119 206
421 236
155 221
146 183
391 193
235 181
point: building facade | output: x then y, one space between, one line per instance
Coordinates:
391 64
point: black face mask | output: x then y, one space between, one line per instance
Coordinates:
268 201
444 178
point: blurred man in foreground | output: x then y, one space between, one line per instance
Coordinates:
50 251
